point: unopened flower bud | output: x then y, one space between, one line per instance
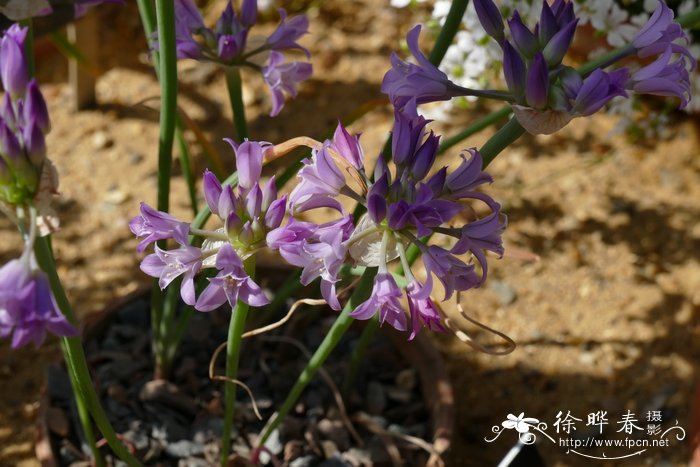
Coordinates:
13 66
35 107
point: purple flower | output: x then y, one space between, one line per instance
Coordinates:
589 95
27 306
170 264
34 107
348 147
659 30
537 88
156 225
423 311
319 249
421 83
454 273
483 234
664 77
490 19
469 175
13 63
514 70
288 32
231 284
523 39
321 179
283 78
385 300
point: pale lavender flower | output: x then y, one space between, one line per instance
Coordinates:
283 78
248 214
27 306
155 225
664 77
421 307
385 301
169 265
407 82
231 284
288 32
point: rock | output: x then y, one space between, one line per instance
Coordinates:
504 292
335 431
58 422
101 140
329 448
184 448
273 445
375 398
168 394
292 450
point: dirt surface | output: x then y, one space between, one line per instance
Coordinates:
600 287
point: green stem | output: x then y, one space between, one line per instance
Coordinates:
186 166
81 402
448 31
505 136
233 352
165 16
474 128
235 94
84 415
340 326
75 355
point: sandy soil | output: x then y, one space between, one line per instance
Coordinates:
605 319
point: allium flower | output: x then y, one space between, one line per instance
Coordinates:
247 215
27 307
664 77
402 206
283 78
227 44
419 83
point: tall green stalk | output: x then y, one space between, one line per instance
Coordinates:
235 93
239 315
75 355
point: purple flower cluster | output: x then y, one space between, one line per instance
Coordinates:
403 205
227 44
24 121
247 214
546 94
